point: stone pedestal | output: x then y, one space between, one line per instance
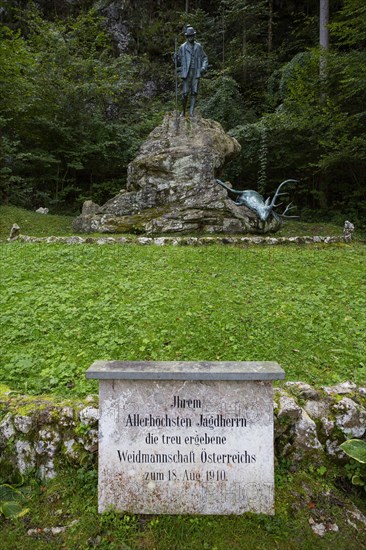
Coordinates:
186 438
171 186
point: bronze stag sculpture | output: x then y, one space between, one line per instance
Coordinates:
255 201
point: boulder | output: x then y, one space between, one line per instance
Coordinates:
171 186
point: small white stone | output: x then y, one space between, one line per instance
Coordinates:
340 389
75 240
160 241
289 408
25 456
32 532
318 528
89 415
57 530
6 427
48 435
357 515
328 425
333 449
69 444
306 435
316 409
351 418
144 240
47 471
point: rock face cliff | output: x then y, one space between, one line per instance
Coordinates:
171 186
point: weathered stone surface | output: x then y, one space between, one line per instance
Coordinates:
178 240
171 186
289 410
296 433
90 208
7 429
306 442
23 423
348 231
185 370
341 389
303 390
176 447
14 232
72 427
117 24
89 415
316 409
350 417
25 456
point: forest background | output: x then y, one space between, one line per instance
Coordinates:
83 82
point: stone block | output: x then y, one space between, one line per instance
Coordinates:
186 438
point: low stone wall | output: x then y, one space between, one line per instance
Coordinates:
184 241
43 435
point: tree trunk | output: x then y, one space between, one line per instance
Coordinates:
323 24
323 36
324 47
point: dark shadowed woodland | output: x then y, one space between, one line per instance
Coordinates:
84 82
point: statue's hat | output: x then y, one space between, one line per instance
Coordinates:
190 31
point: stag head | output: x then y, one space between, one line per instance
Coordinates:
269 205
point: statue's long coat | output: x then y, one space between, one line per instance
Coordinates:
184 59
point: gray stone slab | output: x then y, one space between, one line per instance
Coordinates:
185 370
186 446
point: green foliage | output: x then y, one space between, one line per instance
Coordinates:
74 110
316 138
222 100
73 126
356 473
11 502
300 499
349 27
355 448
356 470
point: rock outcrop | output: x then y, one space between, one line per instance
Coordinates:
171 186
43 434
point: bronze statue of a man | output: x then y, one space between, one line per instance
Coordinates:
192 61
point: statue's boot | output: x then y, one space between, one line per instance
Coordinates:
193 103
184 106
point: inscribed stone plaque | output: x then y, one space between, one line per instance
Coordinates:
186 446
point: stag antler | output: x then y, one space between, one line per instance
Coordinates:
278 194
288 207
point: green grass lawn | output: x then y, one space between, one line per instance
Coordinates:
31 223
62 307
70 501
